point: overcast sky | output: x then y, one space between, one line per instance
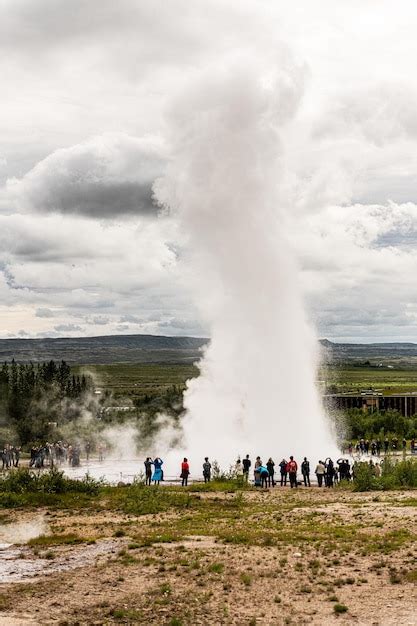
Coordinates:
86 86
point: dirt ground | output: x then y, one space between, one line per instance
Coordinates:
278 557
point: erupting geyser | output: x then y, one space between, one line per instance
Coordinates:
256 393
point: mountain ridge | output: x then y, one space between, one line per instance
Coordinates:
104 349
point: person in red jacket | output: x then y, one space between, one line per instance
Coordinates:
185 472
292 468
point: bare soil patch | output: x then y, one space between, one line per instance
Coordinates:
278 557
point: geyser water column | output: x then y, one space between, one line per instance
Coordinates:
256 393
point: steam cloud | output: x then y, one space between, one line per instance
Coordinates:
226 185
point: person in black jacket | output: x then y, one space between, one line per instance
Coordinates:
283 472
270 467
148 470
329 472
305 470
246 467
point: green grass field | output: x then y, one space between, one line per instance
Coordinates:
126 379
153 379
389 381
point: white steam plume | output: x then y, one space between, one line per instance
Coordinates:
256 393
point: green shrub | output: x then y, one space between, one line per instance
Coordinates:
216 568
24 481
246 579
364 478
394 475
52 540
138 499
402 474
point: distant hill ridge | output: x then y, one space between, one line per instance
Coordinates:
161 349
388 351
104 349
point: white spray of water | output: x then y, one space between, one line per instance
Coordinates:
256 393
22 532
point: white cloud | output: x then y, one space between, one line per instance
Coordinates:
44 312
357 270
108 176
68 328
85 92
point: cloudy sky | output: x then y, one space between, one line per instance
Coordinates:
86 86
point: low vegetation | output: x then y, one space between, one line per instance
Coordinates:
222 556
394 475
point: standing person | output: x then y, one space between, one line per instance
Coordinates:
238 467
348 475
246 467
206 470
320 471
329 472
305 470
17 456
386 445
283 472
343 466
148 470
292 468
270 466
87 450
256 471
157 474
185 472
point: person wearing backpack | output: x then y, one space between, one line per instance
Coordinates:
292 468
305 470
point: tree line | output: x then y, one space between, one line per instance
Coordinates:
33 397
377 424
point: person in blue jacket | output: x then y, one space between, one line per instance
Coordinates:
158 473
264 475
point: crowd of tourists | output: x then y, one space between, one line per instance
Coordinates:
376 446
54 454
50 454
10 456
328 473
